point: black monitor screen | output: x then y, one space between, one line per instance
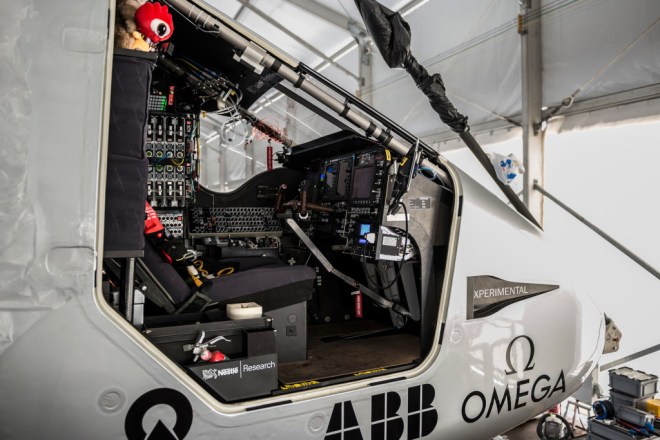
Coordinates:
336 176
363 180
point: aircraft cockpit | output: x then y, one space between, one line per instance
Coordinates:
296 247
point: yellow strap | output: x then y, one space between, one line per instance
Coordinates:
225 271
199 265
388 155
403 162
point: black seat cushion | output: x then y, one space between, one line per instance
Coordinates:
267 281
271 287
213 265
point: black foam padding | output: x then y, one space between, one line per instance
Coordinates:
126 184
131 80
271 287
126 192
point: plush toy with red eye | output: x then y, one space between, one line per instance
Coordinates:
154 22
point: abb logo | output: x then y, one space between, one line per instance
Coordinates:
387 420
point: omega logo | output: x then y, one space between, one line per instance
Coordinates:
529 366
514 396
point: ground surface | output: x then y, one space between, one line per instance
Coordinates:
527 431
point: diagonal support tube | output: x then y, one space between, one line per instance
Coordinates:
650 269
327 265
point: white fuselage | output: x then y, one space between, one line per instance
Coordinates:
72 368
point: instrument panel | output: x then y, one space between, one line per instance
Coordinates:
233 221
353 185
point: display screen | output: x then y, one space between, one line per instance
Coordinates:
388 240
365 228
363 180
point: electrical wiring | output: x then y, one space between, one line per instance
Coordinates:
210 85
405 246
199 265
403 257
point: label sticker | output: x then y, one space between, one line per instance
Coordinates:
420 203
487 294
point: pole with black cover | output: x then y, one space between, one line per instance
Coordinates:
391 34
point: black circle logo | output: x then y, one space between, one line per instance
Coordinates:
529 366
161 396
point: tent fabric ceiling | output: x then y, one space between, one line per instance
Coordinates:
598 46
587 35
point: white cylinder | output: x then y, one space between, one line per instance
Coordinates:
244 311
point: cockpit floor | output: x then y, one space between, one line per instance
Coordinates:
350 349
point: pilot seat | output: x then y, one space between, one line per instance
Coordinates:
281 289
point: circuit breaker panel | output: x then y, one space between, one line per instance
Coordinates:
171 148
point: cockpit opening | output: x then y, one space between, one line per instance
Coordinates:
283 248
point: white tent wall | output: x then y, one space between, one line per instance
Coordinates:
474 45
586 36
349 59
608 174
602 47
598 46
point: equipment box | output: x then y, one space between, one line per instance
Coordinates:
598 429
634 383
176 340
620 400
634 416
653 406
251 376
250 345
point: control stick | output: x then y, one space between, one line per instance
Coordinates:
304 190
279 199
302 206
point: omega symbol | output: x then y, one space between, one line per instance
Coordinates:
529 366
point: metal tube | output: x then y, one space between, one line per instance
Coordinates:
327 265
128 286
201 18
334 104
600 232
631 357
